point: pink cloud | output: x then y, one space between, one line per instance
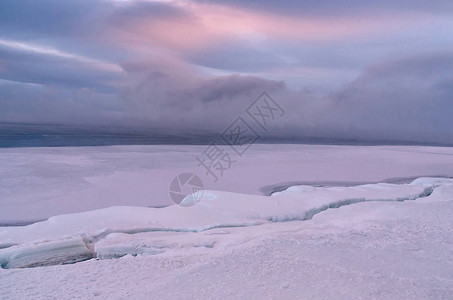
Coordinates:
209 24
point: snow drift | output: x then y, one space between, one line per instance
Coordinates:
106 233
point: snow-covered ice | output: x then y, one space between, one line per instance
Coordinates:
36 183
371 240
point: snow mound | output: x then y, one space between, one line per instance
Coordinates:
46 253
105 233
432 181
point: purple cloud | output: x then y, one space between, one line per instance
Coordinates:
358 69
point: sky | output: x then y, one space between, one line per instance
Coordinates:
371 70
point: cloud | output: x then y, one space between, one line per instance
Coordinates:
28 63
167 94
402 99
41 104
355 69
406 99
229 87
46 19
337 7
398 100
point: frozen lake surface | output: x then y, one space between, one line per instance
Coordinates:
36 183
328 230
